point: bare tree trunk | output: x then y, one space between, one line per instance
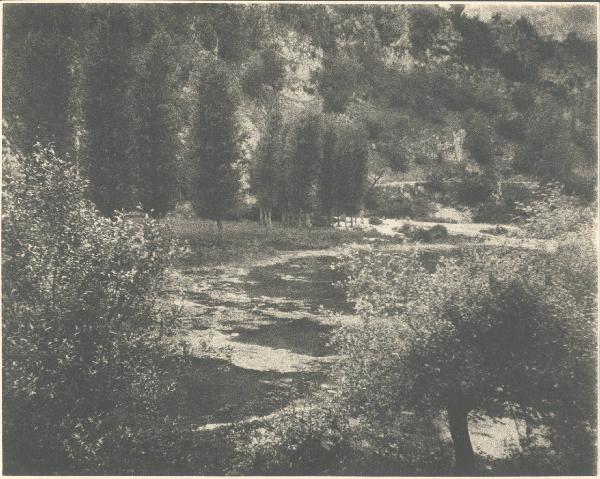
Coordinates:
220 225
269 219
459 431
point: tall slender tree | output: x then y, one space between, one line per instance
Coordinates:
327 188
157 131
41 75
266 170
306 158
351 156
111 148
214 146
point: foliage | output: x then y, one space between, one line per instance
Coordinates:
337 81
503 331
41 75
425 235
214 143
350 155
111 147
553 215
266 70
157 126
84 343
306 154
479 140
266 173
408 202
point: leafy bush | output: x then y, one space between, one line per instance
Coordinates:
304 439
425 235
495 212
85 353
375 220
474 191
498 333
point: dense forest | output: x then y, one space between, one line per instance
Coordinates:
299 239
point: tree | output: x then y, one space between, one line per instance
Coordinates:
41 75
498 334
266 69
267 167
479 140
351 154
327 188
337 81
157 129
214 148
111 157
307 151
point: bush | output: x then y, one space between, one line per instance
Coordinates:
303 439
496 333
85 351
495 212
375 220
425 235
474 191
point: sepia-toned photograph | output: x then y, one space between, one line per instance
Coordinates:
272 238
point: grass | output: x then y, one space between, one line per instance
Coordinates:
245 241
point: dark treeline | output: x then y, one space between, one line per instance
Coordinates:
297 105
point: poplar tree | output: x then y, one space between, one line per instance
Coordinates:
306 158
267 169
111 150
157 133
41 75
214 148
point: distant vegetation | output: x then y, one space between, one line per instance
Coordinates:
300 106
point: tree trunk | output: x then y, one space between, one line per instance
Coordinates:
220 225
268 221
260 216
459 430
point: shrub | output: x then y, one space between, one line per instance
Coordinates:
494 212
305 439
501 332
375 220
425 235
474 191
85 351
